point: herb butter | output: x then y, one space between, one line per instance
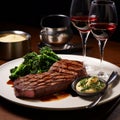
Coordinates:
90 85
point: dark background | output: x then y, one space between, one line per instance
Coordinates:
30 12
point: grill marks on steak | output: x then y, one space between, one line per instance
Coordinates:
70 67
59 77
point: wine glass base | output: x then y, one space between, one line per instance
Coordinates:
89 69
103 75
93 71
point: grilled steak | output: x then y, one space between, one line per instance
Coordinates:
59 77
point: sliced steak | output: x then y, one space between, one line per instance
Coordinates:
59 77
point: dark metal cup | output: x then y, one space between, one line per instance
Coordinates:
55 30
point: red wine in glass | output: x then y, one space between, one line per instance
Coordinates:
103 31
81 23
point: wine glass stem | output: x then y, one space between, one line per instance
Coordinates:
101 44
84 38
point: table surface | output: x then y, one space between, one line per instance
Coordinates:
109 111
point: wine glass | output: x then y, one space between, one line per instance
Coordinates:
79 12
103 23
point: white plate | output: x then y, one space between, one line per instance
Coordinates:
67 103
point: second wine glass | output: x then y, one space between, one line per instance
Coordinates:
79 12
103 23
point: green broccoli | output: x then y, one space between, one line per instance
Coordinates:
35 63
32 61
49 53
25 67
47 58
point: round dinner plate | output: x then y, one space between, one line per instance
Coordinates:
66 103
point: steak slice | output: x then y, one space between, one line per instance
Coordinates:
59 77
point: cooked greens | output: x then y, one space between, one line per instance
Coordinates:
35 63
